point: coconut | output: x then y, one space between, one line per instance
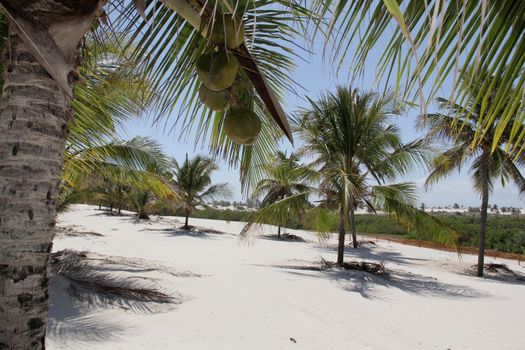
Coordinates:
215 100
217 70
227 31
242 126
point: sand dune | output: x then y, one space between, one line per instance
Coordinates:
259 295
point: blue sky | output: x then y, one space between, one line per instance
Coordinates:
316 76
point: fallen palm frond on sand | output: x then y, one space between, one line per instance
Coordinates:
285 237
364 266
499 272
112 282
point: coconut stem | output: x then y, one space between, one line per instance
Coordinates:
186 11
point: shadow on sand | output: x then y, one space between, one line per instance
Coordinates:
372 286
193 231
374 253
71 320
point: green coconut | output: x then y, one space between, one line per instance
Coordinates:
242 126
215 100
217 70
227 31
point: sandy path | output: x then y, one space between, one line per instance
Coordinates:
243 301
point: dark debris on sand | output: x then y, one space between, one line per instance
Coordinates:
365 266
285 237
499 272
75 231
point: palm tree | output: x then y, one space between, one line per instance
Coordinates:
458 128
353 143
356 152
41 68
285 177
115 173
96 162
434 40
192 181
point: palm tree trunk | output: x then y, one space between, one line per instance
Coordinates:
34 111
279 231
186 226
342 232
484 169
352 226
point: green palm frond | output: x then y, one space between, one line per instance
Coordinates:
321 220
173 45
398 200
444 164
513 173
434 40
192 181
277 213
285 177
459 127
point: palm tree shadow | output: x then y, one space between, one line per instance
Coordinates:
372 286
194 232
71 320
374 253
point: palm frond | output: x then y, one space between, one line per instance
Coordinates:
173 46
438 39
447 162
277 213
398 200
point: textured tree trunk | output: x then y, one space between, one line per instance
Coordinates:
186 221
279 231
352 226
484 168
342 232
34 111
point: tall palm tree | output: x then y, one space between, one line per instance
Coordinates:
355 144
434 40
192 181
34 111
41 67
357 151
285 177
458 128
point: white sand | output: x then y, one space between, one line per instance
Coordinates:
243 301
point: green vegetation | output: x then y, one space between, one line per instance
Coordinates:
505 233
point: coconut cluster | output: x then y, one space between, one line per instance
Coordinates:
218 70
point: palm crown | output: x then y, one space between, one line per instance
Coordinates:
192 180
353 143
285 177
459 129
